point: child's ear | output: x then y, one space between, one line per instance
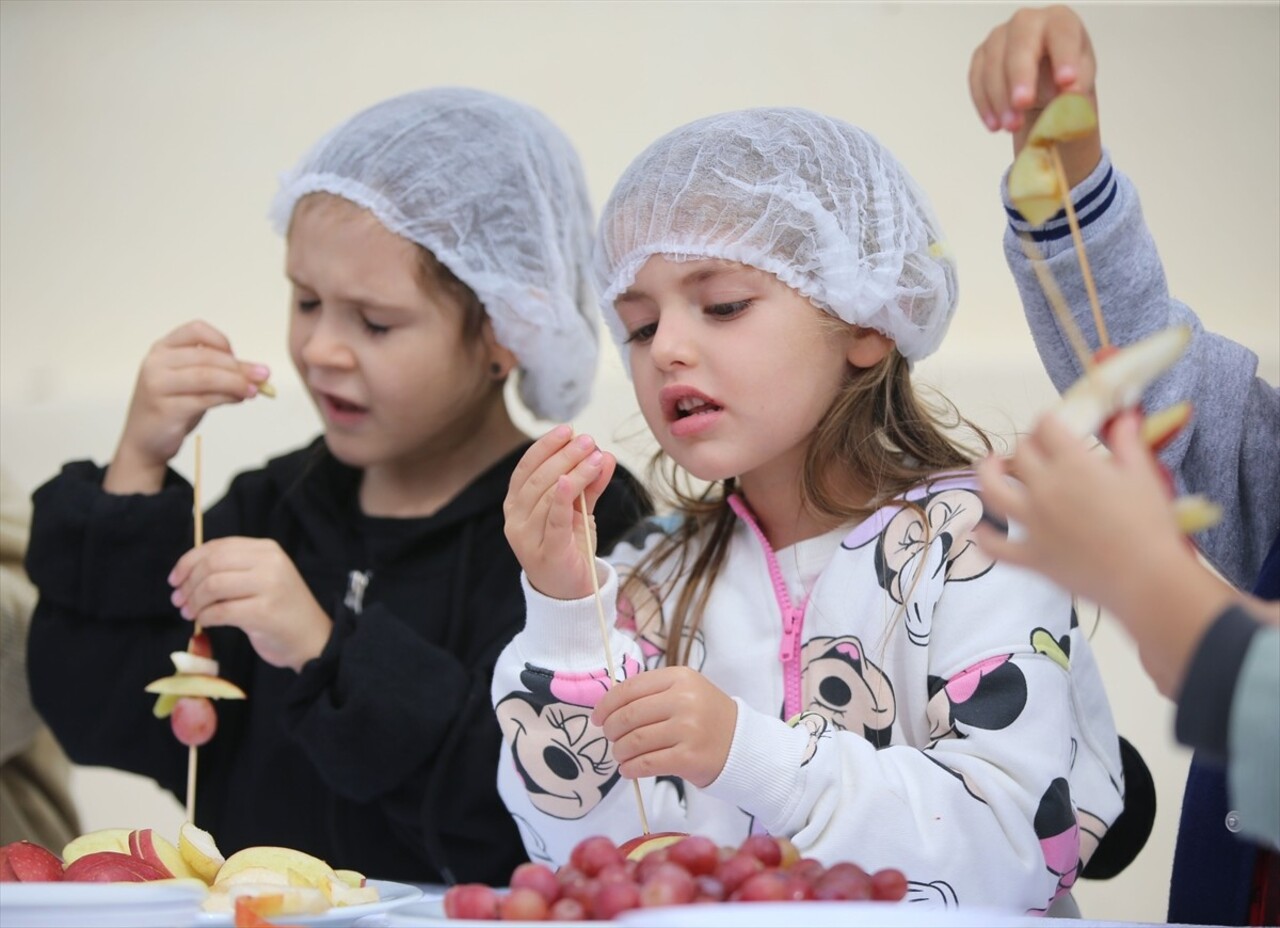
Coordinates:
867 347
499 359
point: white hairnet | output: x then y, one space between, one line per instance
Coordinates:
496 192
813 200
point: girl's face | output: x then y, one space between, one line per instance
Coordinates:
732 369
383 356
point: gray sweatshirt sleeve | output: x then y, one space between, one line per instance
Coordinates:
1228 451
1255 739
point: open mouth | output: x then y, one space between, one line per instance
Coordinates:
342 407
688 406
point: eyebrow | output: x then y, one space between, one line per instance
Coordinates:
696 276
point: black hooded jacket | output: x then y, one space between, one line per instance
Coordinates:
381 755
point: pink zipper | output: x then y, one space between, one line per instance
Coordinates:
792 618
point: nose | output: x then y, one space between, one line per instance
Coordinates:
322 344
674 343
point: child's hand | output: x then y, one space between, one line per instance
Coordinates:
1026 62
544 524
184 374
671 721
252 584
1100 526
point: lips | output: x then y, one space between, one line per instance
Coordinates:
683 402
339 410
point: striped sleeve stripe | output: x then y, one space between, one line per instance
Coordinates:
1088 208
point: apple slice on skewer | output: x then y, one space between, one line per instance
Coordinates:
1117 381
1035 185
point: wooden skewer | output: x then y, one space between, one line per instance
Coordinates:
198 512
1078 241
589 549
1057 301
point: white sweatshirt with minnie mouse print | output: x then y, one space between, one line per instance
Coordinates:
948 718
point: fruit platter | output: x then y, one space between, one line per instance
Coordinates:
123 876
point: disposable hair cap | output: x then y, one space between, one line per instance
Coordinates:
496 193
815 201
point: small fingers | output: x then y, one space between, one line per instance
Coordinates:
994 77
195 333
978 89
1069 52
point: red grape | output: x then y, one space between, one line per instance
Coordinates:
737 868
471 900
888 884
193 720
567 910
696 854
765 886
843 881
612 898
765 848
591 855
523 905
669 884
538 877
709 889
808 869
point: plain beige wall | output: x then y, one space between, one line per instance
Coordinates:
140 142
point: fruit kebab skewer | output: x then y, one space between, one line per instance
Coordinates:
1114 378
186 696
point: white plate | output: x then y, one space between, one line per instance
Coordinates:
98 905
390 895
813 914
428 912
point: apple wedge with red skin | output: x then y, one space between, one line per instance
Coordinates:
25 862
639 846
112 867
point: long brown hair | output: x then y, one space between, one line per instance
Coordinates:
878 430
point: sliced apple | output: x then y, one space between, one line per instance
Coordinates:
1067 117
111 867
352 878
1160 428
1196 513
186 662
164 705
154 849
251 876
294 867
200 645
1034 187
104 839
195 684
200 852
1118 381
338 893
638 847
25 862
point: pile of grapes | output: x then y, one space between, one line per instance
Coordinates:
600 881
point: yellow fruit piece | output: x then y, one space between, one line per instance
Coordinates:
1160 426
352 878
1118 381
200 852
339 893
164 705
292 867
105 839
1068 116
1195 513
195 684
1033 185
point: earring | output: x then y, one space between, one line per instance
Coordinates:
495 369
